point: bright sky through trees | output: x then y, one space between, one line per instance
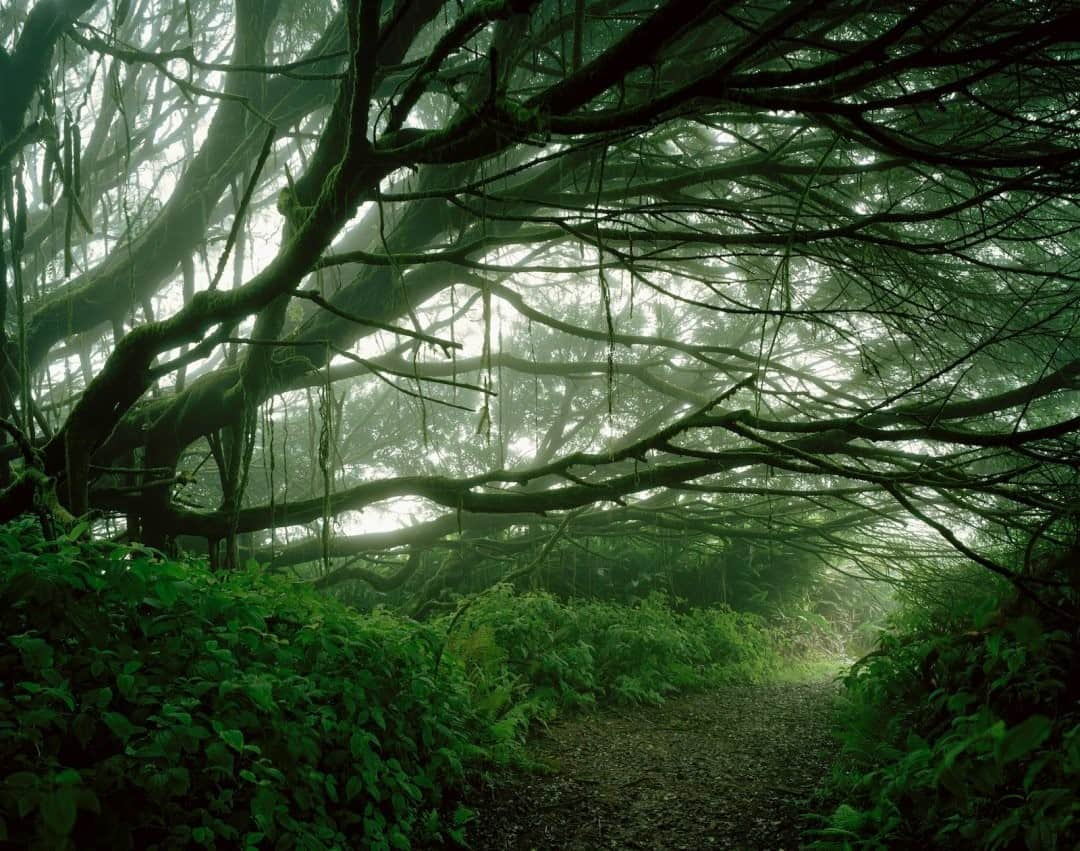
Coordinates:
309 281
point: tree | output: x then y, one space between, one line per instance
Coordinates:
803 272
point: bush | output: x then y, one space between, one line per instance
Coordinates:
531 656
150 704
962 730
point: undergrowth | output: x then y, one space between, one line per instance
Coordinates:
962 729
531 656
148 703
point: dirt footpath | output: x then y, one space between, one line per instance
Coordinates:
727 769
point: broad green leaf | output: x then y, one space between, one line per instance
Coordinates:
167 592
218 755
463 815
58 810
360 742
99 697
125 684
261 693
119 724
67 777
263 805
179 780
233 738
36 653
1022 739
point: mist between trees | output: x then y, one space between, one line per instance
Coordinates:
330 285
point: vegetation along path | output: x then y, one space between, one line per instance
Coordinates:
727 769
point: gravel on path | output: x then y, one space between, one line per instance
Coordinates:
732 768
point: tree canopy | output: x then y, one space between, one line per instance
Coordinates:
511 271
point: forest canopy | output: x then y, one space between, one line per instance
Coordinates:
323 284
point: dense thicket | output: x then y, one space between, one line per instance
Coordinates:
148 703
962 730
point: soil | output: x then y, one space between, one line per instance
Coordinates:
734 768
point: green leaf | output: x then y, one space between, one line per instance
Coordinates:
166 591
463 815
121 727
261 693
1022 739
233 738
218 756
99 697
36 653
125 684
67 777
58 810
179 780
262 809
63 695
76 532
360 742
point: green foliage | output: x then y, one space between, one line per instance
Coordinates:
962 730
819 612
531 656
150 704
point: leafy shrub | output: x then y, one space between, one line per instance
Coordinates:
150 704
531 655
962 730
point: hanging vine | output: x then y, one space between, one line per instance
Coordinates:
269 464
326 413
605 290
15 208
